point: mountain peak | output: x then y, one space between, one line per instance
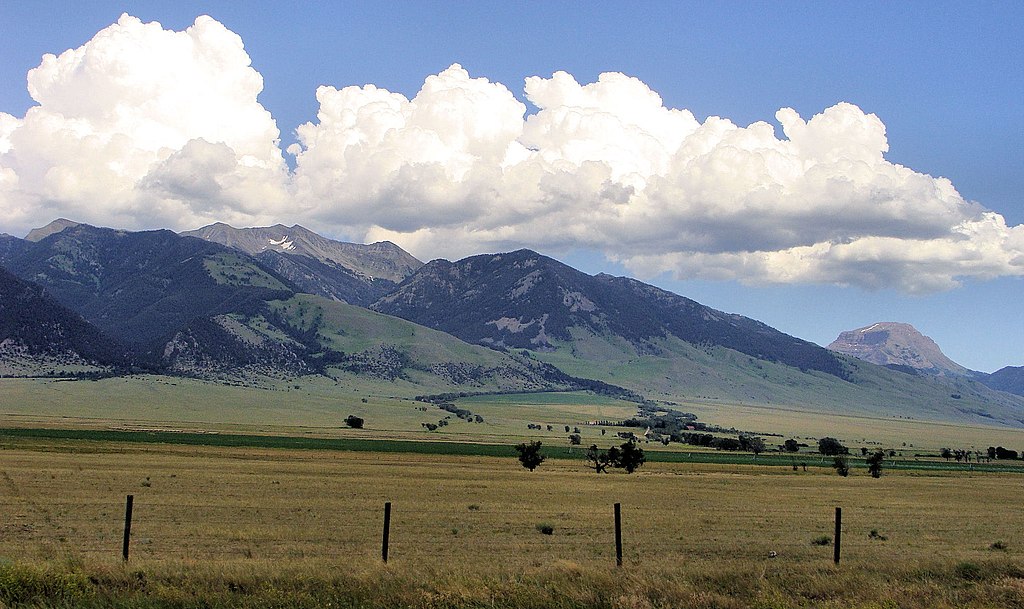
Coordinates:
890 343
299 240
38 234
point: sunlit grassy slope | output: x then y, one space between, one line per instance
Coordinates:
679 371
392 349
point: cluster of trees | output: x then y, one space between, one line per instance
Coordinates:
462 413
998 452
629 456
745 442
965 456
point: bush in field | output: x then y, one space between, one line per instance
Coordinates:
545 528
821 540
354 422
968 571
529 455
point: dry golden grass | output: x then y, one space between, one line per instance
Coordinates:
252 526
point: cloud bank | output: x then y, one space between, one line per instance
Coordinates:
144 127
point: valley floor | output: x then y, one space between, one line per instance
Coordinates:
317 407
246 527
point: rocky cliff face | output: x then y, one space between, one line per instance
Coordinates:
897 345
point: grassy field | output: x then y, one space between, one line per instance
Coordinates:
252 527
316 406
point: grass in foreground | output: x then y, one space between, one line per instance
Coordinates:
564 584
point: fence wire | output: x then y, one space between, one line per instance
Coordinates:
201 530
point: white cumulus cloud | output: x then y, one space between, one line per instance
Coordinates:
125 129
143 127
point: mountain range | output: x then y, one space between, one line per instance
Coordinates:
259 304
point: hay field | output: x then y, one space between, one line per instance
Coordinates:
313 516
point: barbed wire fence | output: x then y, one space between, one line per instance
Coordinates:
620 533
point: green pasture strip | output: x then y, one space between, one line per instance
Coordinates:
467 449
815 460
258 441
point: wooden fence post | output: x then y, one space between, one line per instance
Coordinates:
839 535
127 525
618 534
387 532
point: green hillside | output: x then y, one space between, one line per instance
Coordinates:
359 341
673 369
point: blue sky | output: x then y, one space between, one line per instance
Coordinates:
943 77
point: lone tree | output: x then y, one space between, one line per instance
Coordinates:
575 439
831 447
791 446
754 444
631 457
841 465
529 455
354 422
875 464
599 460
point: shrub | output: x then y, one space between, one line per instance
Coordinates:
354 422
821 540
967 571
999 545
874 534
546 528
